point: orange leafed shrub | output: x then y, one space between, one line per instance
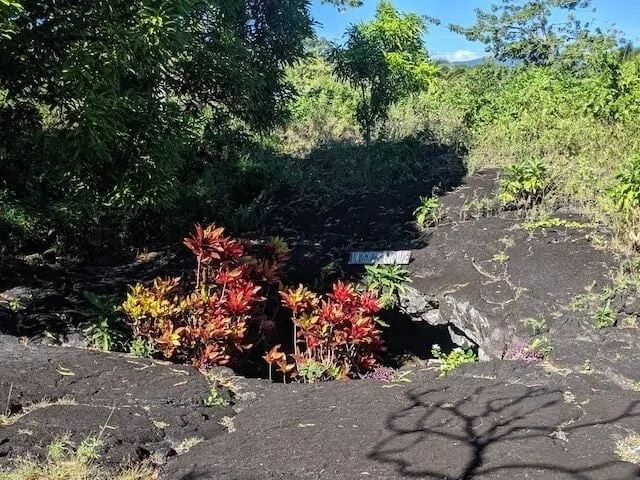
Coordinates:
338 335
208 323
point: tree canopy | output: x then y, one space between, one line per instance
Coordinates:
385 59
529 31
102 102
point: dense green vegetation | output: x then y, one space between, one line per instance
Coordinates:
564 127
121 123
117 117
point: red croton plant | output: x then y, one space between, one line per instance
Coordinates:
211 321
208 323
334 338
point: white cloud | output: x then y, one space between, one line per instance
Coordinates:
459 56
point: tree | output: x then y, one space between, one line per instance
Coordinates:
9 9
385 60
341 4
526 31
101 101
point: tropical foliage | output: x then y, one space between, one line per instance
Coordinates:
116 115
337 336
219 317
223 314
385 60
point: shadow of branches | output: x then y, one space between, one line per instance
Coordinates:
506 431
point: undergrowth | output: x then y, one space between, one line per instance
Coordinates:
63 462
452 360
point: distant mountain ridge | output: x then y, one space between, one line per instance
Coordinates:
468 63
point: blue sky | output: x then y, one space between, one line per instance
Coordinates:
624 14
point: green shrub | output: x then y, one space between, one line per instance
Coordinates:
20 226
524 184
626 192
429 212
386 281
105 329
139 347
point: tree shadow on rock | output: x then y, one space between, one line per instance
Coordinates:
357 197
503 431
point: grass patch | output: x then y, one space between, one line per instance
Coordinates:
629 449
553 222
187 444
62 462
7 417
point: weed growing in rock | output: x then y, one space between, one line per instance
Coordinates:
105 329
187 444
57 449
540 346
604 316
524 184
524 351
386 281
228 423
429 212
215 398
379 373
501 258
629 449
508 242
538 325
387 374
479 208
401 377
454 359
580 302
14 304
4 415
537 348
89 450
